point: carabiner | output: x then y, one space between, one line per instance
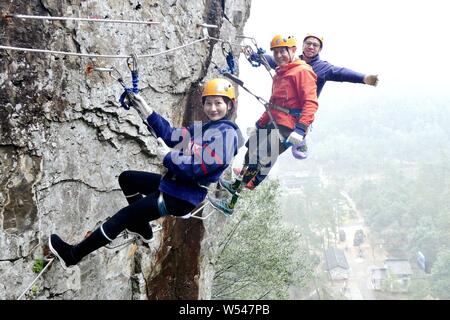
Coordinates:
133 66
115 74
132 63
226 51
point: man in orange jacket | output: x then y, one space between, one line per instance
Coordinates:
292 107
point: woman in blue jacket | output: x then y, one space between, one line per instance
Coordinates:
203 152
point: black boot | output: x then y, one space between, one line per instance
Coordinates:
62 250
70 255
143 230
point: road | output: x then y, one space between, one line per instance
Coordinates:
358 285
360 259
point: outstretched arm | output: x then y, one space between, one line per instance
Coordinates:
334 73
160 126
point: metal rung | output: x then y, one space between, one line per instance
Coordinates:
156 227
128 238
194 214
207 25
124 243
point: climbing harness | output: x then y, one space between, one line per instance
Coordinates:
90 19
293 112
49 262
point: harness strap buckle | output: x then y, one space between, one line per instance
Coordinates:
293 112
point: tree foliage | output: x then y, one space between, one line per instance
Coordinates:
440 275
259 255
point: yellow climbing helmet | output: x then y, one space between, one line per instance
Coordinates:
280 41
219 87
314 35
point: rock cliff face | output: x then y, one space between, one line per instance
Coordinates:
65 140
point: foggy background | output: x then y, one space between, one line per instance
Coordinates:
379 157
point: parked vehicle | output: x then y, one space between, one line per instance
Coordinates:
341 235
359 237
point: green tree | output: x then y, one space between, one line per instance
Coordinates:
259 256
440 275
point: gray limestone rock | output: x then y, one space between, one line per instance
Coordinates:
64 140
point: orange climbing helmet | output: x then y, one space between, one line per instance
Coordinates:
219 87
280 41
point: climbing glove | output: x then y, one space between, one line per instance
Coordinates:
251 131
255 57
295 138
141 106
300 151
162 149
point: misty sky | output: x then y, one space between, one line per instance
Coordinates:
405 42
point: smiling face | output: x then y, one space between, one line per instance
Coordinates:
311 47
215 107
284 55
